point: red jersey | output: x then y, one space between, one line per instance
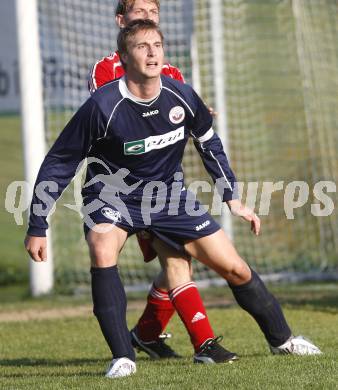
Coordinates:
110 68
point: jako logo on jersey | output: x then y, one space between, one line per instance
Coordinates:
202 226
177 114
111 214
154 142
150 113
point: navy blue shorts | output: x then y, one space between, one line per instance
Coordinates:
173 222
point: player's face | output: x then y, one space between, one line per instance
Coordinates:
142 9
145 55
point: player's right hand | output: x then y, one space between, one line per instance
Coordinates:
36 247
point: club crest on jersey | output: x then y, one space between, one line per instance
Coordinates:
150 113
111 214
154 142
177 115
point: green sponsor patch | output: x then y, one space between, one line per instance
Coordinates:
154 142
134 147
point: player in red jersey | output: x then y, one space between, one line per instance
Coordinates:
110 68
173 288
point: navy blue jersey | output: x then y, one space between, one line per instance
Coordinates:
116 130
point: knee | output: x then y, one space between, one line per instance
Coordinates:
104 247
239 273
177 266
102 255
177 272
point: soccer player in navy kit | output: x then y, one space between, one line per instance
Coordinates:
183 296
134 131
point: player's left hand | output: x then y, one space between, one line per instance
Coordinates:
239 210
212 112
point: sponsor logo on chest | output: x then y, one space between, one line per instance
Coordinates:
154 142
150 113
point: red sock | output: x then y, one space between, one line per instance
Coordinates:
189 306
156 315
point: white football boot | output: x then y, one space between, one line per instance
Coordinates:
296 346
121 367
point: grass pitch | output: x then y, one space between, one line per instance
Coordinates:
69 352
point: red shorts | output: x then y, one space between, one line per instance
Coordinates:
144 240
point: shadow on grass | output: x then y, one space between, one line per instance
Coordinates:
60 364
54 374
32 362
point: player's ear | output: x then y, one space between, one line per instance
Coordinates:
119 19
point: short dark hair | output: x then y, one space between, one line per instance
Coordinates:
132 29
123 6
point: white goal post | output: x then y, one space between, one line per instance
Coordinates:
32 116
219 76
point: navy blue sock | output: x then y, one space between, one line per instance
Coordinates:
110 305
254 298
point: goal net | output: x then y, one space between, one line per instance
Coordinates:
279 66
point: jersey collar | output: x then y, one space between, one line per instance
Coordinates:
128 95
